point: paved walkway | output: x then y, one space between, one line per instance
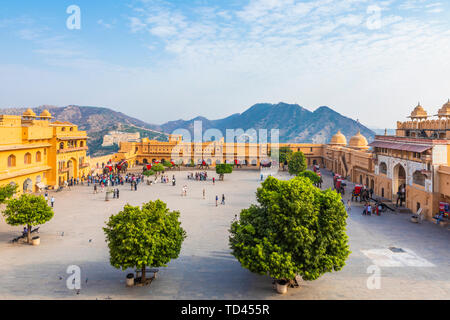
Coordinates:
205 268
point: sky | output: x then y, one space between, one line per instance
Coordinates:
167 60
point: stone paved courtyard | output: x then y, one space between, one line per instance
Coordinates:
205 268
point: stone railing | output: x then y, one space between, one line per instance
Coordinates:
66 150
424 125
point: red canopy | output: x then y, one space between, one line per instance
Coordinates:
148 166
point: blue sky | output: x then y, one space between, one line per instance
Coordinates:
165 60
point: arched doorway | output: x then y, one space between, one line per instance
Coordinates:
28 186
399 178
71 164
38 181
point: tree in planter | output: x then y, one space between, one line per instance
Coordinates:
147 236
167 164
29 210
297 229
149 173
297 163
6 192
222 169
311 175
158 168
285 154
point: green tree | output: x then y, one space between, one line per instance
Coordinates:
222 169
167 164
297 229
158 168
147 236
297 163
311 175
285 154
149 173
29 210
6 192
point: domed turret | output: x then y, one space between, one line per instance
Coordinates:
358 141
29 113
338 139
45 114
418 113
444 112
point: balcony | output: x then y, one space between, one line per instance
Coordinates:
67 150
63 170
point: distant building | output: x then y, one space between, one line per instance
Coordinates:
116 137
416 159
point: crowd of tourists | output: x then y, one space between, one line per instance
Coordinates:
198 176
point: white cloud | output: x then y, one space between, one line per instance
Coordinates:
216 61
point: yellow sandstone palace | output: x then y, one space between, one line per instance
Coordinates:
35 152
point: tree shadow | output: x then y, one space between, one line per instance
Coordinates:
190 277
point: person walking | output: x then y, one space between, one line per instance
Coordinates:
204 193
223 199
95 188
52 201
217 200
214 180
117 193
46 198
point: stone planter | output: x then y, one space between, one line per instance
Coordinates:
36 241
281 286
130 280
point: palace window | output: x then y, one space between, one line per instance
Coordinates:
38 156
416 155
27 158
61 145
12 161
419 178
383 168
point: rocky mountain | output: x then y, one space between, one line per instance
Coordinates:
296 124
97 121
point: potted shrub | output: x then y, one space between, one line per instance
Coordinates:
28 210
303 242
138 237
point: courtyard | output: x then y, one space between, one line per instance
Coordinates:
205 268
